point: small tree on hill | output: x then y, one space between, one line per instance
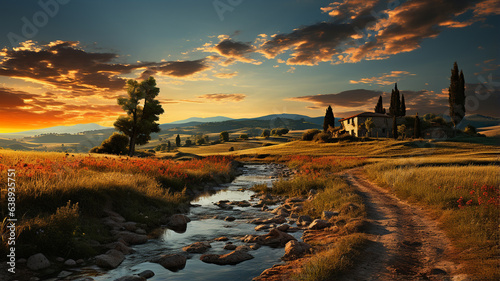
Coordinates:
402 130
266 133
395 107
329 120
416 127
178 141
402 110
224 136
456 95
169 146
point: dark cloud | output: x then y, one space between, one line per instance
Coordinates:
231 51
351 98
64 65
374 29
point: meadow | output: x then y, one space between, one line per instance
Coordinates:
60 198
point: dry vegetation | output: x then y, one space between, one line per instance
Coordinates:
61 198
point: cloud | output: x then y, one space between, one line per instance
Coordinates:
226 75
384 79
65 66
232 51
223 97
374 29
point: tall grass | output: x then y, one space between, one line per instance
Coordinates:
60 198
465 198
335 261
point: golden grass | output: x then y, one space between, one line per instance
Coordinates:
464 198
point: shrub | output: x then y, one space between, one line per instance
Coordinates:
470 130
244 137
231 148
322 137
224 136
309 135
200 141
188 142
115 144
266 133
161 147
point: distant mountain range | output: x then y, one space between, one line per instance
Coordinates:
209 124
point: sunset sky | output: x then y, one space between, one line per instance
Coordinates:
64 62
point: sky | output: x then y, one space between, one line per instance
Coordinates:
65 62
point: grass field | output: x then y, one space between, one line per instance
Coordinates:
464 198
61 198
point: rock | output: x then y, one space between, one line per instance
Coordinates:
223 238
79 261
229 218
319 224
281 211
197 247
283 227
21 261
64 274
276 238
131 238
140 231
59 259
262 227
172 262
177 222
146 274
254 246
328 215
234 257
130 226
37 262
119 246
243 248
131 278
264 208
243 203
113 224
230 247
295 250
112 259
70 262
276 219
114 216
251 238
304 220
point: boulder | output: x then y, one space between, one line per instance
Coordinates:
223 238
276 238
114 216
234 257
281 211
229 218
262 227
37 262
130 226
177 222
283 227
112 259
146 274
140 231
131 238
319 224
230 247
295 249
276 219
304 220
197 247
172 262
119 246
70 262
328 215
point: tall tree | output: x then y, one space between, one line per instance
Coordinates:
140 120
379 108
395 107
329 120
402 110
456 96
394 127
416 128
178 141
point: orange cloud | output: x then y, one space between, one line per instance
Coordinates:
384 79
223 97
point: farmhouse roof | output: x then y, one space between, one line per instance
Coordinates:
367 114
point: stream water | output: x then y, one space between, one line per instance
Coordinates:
207 223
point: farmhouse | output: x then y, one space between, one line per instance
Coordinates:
354 125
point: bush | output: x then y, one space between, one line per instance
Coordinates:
322 137
188 142
224 136
244 137
161 147
266 133
470 130
115 144
200 141
309 135
231 148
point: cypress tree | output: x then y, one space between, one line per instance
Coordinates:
394 127
395 107
456 95
416 128
402 111
379 108
178 141
329 120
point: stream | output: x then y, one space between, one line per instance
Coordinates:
207 223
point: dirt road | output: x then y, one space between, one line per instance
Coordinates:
407 244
